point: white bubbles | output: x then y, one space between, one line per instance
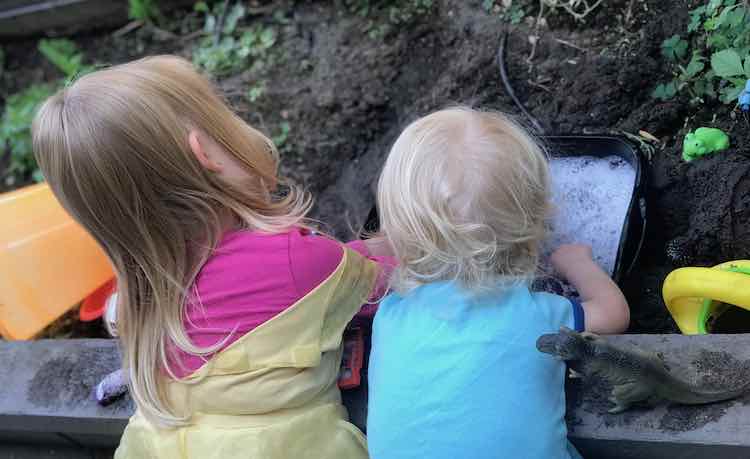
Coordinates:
590 198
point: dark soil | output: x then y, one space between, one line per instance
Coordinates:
70 380
346 95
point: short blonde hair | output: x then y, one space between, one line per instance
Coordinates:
464 196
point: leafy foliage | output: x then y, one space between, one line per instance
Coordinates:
20 108
224 51
511 11
143 10
719 65
65 55
280 139
386 14
15 132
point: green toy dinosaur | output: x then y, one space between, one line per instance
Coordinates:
702 142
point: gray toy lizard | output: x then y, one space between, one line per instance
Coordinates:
636 375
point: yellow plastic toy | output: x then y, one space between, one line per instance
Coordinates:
696 296
48 263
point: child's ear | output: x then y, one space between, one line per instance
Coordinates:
201 149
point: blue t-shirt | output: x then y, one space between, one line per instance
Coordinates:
453 376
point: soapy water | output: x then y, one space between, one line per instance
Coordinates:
590 199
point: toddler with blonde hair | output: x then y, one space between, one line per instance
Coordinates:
454 371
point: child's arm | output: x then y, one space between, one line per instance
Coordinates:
605 307
378 246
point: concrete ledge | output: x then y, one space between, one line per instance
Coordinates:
690 432
46 398
47 389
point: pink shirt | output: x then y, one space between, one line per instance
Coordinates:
252 277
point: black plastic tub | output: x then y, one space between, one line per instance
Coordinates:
634 224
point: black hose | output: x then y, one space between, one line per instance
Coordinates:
509 89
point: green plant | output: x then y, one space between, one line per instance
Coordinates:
20 108
223 51
15 132
719 65
511 11
143 10
64 55
383 15
407 11
280 139
256 91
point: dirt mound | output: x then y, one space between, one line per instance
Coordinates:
346 92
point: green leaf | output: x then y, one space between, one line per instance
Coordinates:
730 93
747 67
280 139
665 91
695 66
235 14
723 18
143 10
735 17
727 63
713 5
201 7
674 48
696 16
210 24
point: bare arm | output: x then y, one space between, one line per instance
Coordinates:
604 305
379 246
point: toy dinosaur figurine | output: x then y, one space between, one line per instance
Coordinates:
636 376
702 142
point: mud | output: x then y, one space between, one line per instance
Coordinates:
66 382
715 369
346 95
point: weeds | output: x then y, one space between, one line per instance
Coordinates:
280 139
223 51
143 10
719 64
510 11
384 15
15 132
256 91
64 55
20 108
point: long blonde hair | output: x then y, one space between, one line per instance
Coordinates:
464 196
114 148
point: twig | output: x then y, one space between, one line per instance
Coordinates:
192 35
127 28
572 45
539 85
509 89
220 22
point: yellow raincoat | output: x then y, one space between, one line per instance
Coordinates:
273 393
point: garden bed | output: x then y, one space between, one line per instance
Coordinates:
340 79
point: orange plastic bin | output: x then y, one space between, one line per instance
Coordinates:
48 263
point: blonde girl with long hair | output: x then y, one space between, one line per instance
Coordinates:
463 200
230 310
